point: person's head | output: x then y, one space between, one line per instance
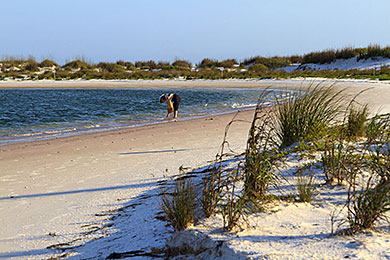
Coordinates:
163 98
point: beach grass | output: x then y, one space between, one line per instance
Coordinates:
211 191
355 125
261 152
307 113
305 187
335 161
179 204
234 207
368 196
378 128
361 165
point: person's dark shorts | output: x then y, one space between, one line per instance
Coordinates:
176 101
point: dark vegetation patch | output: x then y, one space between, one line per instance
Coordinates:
254 67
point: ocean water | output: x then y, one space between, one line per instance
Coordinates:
41 114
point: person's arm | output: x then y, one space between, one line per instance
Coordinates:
169 104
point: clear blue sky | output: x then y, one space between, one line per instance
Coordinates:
163 30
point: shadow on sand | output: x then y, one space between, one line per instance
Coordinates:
120 187
153 152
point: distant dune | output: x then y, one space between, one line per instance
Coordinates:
342 64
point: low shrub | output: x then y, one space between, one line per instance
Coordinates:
208 63
47 63
346 53
146 65
322 57
110 67
181 64
273 62
258 68
77 64
32 66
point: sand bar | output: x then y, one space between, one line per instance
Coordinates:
50 189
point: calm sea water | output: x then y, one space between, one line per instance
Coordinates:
35 114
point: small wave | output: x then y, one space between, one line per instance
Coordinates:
57 131
48 132
237 105
92 126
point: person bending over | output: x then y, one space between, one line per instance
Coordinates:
173 101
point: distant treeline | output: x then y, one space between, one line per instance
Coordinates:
254 67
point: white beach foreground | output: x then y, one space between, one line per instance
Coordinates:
61 197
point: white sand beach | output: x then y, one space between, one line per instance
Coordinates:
60 198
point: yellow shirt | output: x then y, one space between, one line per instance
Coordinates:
169 106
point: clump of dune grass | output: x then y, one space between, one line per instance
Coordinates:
378 128
369 181
369 196
211 192
260 173
179 204
219 190
369 204
335 161
305 187
261 152
307 113
235 203
338 150
356 120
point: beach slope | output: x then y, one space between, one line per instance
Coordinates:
53 193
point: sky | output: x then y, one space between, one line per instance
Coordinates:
165 30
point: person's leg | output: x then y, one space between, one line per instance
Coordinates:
175 109
176 101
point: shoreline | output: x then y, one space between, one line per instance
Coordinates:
120 130
234 83
72 132
212 105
